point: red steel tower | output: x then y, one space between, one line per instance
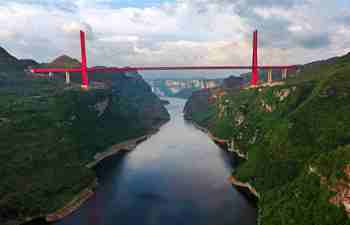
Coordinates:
84 76
84 69
255 71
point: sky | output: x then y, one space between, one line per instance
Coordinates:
176 32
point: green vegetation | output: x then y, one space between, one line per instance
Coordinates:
286 130
203 119
49 132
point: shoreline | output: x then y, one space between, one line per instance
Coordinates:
245 188
223 143
84 195
127 145
219 141
88 192
73 205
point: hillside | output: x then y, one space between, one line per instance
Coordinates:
10 63
50 132
295 141
7 61
200 105
63 61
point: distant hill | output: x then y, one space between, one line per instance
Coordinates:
232 82
185 93
6 59
9 62
64 61
25 63
182 88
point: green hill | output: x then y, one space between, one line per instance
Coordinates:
50 131
63 61
297 141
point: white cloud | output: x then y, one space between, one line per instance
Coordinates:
268 13
7 35
72 27
121 38
184 32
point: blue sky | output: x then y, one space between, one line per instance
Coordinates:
176 32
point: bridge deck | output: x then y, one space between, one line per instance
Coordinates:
145 68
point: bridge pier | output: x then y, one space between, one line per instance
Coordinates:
50 74
255 71
84 73
269 76
67 78
284 74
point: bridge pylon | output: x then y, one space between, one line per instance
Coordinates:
84 69
84 74
255 71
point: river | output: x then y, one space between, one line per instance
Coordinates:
177 177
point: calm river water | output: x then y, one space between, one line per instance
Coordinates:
177 177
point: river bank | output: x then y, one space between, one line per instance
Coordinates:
84 195
245 188
89 191
295 143
74 204
221 142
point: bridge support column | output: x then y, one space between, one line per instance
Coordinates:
255 72
284 74
50 74
269 76
84 74
67 78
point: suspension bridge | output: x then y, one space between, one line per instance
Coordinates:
84 69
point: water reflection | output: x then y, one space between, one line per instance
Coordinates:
176 177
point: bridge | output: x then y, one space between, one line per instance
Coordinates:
84 69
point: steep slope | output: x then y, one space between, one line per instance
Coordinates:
12 75
200 105
296 141
10 63
50 132
7 61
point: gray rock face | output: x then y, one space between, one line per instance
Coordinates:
198 102
233 82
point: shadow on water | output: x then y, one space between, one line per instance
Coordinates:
37 222
108 167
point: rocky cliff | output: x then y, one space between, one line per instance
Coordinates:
295 139
198 102
50 132
201 104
